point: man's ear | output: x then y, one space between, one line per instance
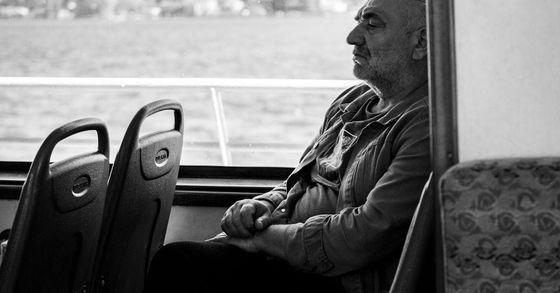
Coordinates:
421 46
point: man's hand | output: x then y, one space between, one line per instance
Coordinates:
247 244
271 241
245 217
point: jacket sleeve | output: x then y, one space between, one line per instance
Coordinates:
338 243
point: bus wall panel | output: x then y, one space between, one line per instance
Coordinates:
508 94
8 210
194 223
185 223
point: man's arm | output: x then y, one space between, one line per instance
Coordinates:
240 220
338 243
247 216
358 236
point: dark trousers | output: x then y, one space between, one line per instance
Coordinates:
216 267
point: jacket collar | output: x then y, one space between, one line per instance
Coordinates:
350 104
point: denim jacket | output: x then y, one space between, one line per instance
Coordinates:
355 228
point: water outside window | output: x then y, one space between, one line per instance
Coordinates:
175 39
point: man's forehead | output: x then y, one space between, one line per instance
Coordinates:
388 8
379 7
383 4
376 3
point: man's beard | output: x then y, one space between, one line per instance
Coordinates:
382 76
382 81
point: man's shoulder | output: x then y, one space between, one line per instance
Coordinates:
415 116
418 108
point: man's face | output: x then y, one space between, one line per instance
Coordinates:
382 39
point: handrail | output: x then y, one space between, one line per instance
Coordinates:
220 117
167 83
214 84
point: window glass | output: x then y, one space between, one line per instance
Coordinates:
254 42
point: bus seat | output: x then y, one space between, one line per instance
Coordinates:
55 232
139 198
416 266
501 225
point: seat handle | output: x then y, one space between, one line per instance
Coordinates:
158 106
71 128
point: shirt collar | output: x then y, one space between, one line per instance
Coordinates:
351 104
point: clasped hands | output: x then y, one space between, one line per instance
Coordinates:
243 223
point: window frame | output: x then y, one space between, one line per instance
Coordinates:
209 186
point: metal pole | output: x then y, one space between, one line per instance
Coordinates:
221 125
443 111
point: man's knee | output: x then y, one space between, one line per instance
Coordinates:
169 266
171 257
168 251
171 263
185 256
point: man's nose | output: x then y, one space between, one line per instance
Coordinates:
355 36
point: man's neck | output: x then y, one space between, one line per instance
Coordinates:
389 98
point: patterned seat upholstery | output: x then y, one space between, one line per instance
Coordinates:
501 225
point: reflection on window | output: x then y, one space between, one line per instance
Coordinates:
219 39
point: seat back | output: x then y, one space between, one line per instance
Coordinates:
501 225
56 228
139 198
415 272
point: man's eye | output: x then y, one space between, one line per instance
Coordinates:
375 24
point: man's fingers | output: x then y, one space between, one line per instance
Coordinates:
240 229
228 223
221 237
261 209
263 222
225 222
239 219
247 214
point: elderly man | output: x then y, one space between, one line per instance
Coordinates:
338 223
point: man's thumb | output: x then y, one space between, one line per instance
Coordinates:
263 222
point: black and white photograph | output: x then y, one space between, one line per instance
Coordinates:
302 146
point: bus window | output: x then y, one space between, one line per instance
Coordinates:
249 78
